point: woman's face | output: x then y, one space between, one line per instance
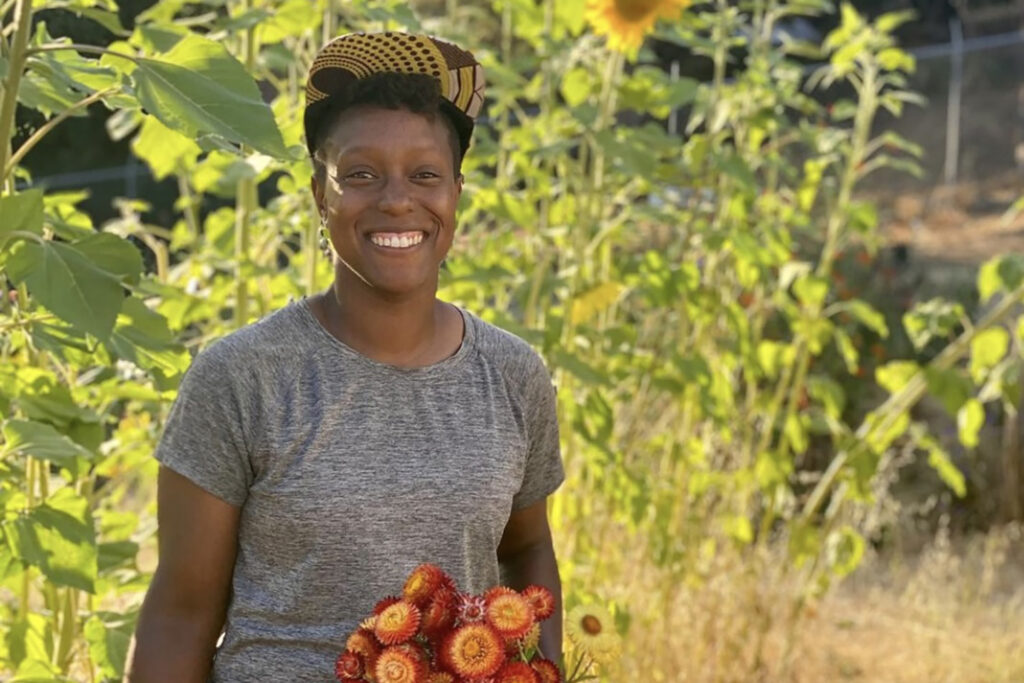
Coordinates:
389 196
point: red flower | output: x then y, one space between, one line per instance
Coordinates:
541 600
348 667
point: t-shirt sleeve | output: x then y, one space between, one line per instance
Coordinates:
544 471
206 437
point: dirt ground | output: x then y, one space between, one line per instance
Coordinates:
963 225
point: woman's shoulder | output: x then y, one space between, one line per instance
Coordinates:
512 354
267 343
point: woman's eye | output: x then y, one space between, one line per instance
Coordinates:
427 174
360 175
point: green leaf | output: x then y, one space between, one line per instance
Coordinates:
595 300
828 393
577 367
165 150
67 283
895 375
811 290
868 315
844 550
1000 274
895 59
796 434
878 440
969 420
576 85
950 386
739 528
199 88
847 350
113 254
58 537
22 212
26 438
988 348
939 461
108 639
932 319
290 19
142 336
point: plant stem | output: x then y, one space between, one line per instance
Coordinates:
245 205
906 397
15 67
50 125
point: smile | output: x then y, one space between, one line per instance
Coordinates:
397 240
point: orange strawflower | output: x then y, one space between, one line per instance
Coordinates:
470 609
547 671
440 677
348 666
398 665
509 613
439 615
516 672
627 22
384 604
473 651
422 583
397 623
542 601
364 644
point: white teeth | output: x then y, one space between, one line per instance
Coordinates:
397 241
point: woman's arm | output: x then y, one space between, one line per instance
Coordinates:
183 613
526 556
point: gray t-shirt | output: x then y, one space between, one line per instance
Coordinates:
350 472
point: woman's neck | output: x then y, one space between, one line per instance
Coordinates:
410 331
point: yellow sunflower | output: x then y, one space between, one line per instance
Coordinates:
592 630
626 22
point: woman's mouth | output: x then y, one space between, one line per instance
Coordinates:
397 240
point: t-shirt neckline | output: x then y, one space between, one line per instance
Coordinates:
329 340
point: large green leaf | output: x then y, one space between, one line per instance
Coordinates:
59 538
164 149
198 88
21 212
108 639
67 283
142 336
39 440
114 254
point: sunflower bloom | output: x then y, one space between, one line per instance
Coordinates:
397 623
510 614
547 671
516 672
627 22
396 665
541 600
422 583
590 628
474 651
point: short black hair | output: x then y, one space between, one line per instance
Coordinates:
416 93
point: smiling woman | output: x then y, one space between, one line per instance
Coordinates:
313 459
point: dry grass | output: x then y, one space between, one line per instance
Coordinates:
955 613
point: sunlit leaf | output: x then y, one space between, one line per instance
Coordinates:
969 420
21 212
68 283
198 88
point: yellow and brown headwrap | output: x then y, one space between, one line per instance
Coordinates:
355 56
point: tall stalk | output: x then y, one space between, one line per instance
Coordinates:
9 101
245 206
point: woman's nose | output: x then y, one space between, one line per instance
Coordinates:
395 196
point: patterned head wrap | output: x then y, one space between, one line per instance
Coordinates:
351 57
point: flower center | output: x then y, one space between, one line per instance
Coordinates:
473 649
634 10
591 624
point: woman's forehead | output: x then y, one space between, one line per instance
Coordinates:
372 130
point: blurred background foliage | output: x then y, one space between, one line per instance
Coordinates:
740 390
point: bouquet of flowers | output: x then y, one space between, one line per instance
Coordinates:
434 633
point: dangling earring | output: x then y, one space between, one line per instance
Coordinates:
325 244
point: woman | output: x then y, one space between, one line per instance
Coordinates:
313 459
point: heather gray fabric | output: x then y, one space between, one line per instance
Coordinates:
350 472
